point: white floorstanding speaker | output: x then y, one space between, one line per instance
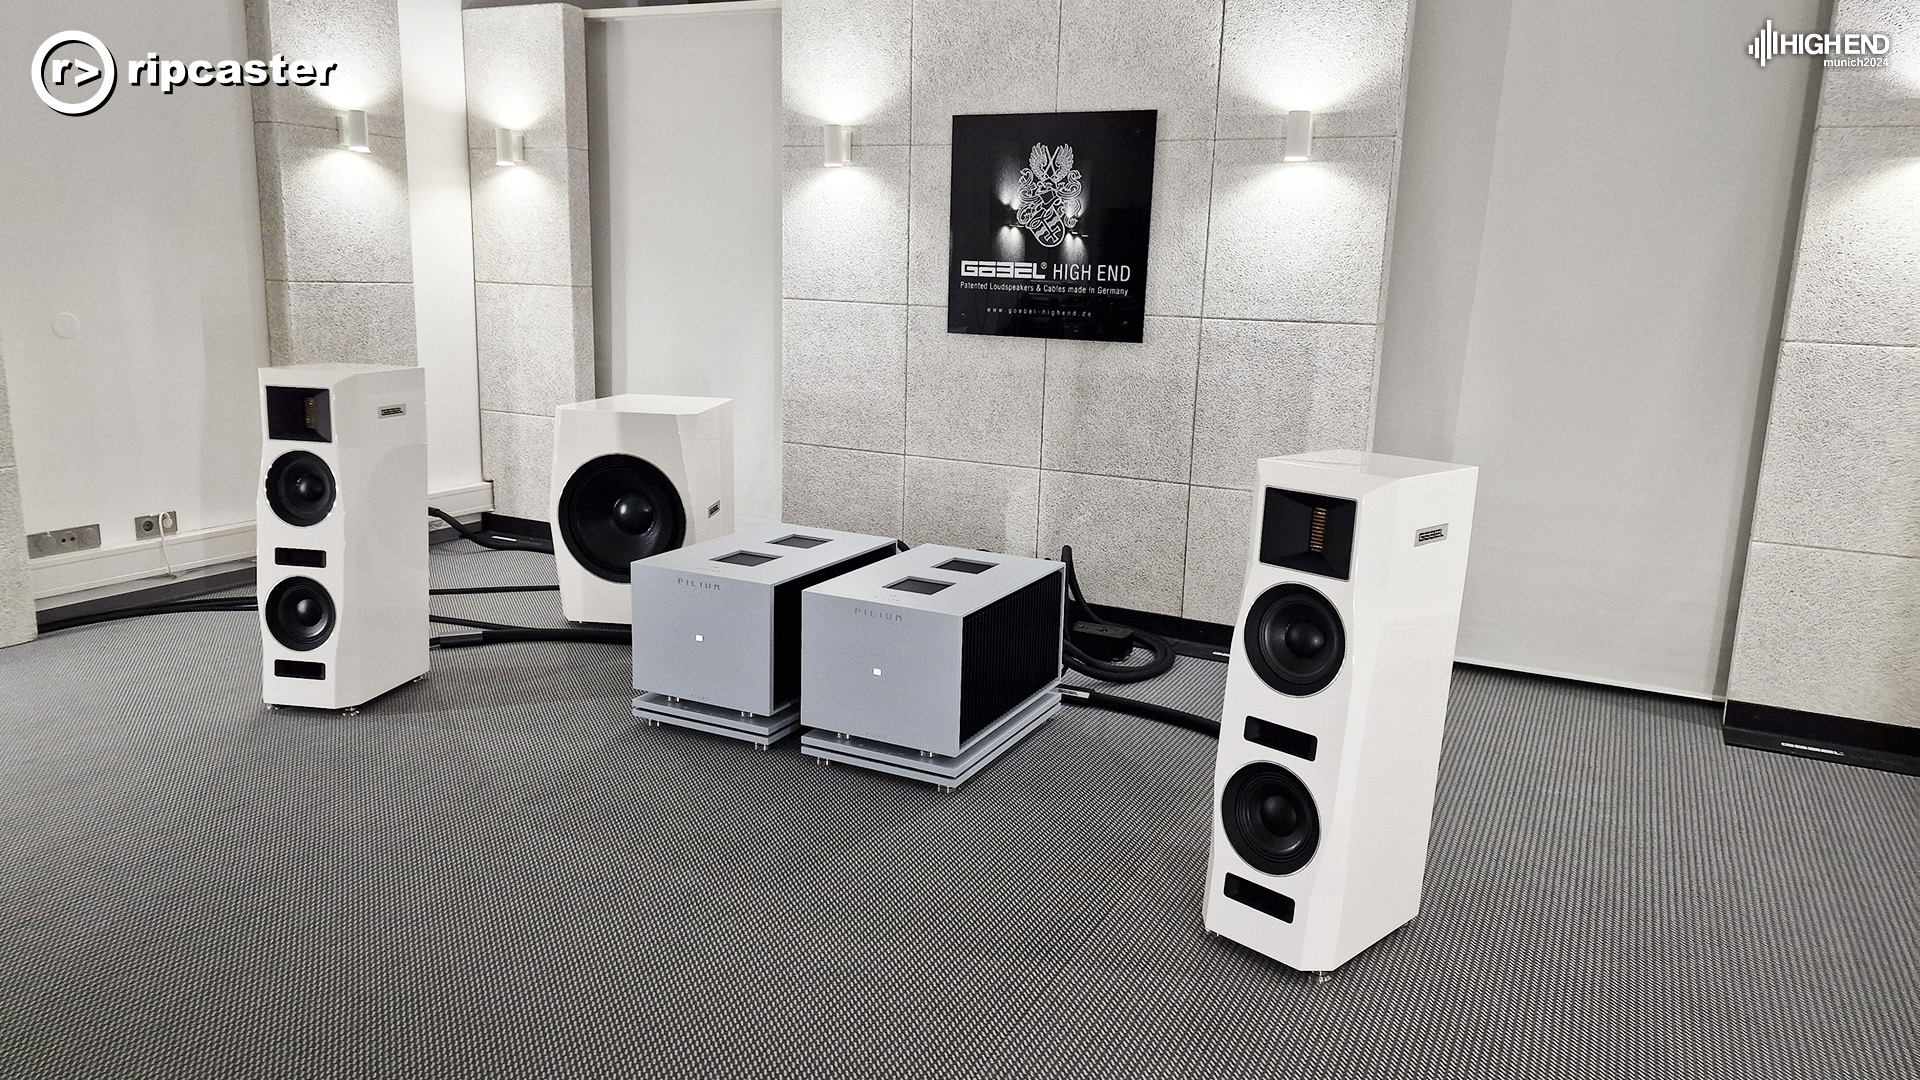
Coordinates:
633 476
342 528
1336 699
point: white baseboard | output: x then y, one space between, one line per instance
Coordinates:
1618 684
464 502
59 580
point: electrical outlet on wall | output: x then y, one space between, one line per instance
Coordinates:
154 526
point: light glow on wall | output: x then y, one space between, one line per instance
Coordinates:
857 86
1343 60
1904 63
518 192
1880 214
356 179
366 78
1305 184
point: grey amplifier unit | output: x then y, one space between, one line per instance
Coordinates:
932 663
716 626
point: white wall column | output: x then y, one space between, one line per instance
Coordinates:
1830 613
533 292
335 228
16 596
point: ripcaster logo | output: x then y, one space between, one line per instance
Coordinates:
696 583
1050 194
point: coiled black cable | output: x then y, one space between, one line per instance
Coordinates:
1158 664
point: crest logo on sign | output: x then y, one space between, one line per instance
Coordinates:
1049 194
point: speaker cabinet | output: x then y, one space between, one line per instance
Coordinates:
1336 698
342 532
633 476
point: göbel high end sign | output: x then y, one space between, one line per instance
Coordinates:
1049 226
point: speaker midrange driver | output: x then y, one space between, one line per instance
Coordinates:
299 614
300 488
1295 639
1270 818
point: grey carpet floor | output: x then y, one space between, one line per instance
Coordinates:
498 872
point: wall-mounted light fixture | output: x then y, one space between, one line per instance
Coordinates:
353 132
1299 136
836 145
509 147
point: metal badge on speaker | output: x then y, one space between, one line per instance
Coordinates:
633 476
342 533
717 630
933 663
1336 699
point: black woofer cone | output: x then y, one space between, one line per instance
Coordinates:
616 509
1270 818
300 488
1295 639
299 613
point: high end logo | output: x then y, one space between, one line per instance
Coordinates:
1050 215
1050 194
1840 50
1031 271
695 583
61 65
877 613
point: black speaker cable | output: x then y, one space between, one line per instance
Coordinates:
1145 709
225 603
490 632
504 635
491 540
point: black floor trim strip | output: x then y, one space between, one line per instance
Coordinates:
1889 747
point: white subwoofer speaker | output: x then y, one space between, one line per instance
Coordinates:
633 476
1336 699
342 526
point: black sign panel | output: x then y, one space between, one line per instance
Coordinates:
1050 218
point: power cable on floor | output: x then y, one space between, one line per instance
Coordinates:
494 541
1159 663
1147 709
